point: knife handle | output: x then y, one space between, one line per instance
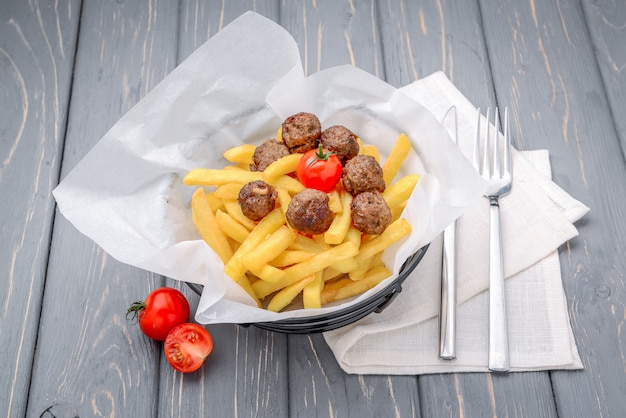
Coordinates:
447 317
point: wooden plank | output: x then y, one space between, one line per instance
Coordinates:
245 376
89 360
420 38
333 33
318 386
37 45
562 105
605 21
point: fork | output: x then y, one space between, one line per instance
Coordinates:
498 175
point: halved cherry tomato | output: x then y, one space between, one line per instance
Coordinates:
319 169
163 309
187 346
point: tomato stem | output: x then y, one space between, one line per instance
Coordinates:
321 155
134 310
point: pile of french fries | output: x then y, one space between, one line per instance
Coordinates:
275 264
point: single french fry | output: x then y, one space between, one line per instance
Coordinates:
288 293
393 233
231 227
215 202
244 282
237 167
290 257
290 184
396 157
329 274
269 249
334 201
354 236
362 268
372 151
241 154
346 265
316 263
399 192
320 240
311 294
204 220
268 273
279 134
341 222
235 267
280 167
228 191
303 243
210 177
396 211
283 199
234 210
346 288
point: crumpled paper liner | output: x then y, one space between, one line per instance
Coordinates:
127 193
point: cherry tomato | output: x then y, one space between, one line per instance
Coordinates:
187 346
319 169
163 309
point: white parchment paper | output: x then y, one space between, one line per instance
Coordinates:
127 193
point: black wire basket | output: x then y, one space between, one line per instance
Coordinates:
327 322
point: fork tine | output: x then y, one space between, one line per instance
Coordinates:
476 158
507 142
486 171
496 154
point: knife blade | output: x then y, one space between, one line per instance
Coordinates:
447 317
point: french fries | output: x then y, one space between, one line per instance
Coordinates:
394 161
280 167
274 263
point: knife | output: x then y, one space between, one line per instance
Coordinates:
447 317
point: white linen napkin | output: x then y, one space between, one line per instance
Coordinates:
537 218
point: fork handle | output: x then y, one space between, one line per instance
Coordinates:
498 338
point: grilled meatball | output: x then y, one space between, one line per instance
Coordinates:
342 141
363 174
309 212
266 153
370 213
301 132
257 199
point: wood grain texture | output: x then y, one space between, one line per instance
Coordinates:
36 56
88 357
331 33
561 105
606 21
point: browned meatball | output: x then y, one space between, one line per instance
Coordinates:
309 212
301 132
363 174
342 141
266 153
257 199
370 213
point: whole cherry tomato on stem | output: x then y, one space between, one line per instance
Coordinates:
163 309
319 169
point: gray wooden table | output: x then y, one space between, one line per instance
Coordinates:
70 69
